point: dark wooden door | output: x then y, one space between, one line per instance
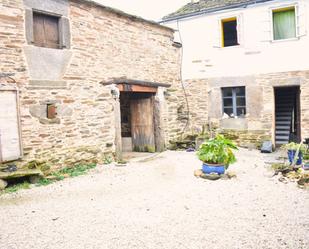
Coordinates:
142 125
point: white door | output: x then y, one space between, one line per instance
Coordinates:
10 148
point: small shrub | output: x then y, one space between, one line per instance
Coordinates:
218 150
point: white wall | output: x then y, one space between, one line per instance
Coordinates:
257 53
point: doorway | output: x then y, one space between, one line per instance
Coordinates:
137 121
287 115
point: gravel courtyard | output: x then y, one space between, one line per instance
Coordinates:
159 204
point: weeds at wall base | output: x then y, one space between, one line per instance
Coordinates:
60 175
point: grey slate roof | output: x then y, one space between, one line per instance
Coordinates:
203 6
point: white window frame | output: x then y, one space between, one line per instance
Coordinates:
285 6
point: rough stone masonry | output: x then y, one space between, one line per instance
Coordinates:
103 43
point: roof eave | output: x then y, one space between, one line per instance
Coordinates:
211 10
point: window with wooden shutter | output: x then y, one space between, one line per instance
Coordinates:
46 30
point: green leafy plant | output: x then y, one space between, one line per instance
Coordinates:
108 160
218 150
44 182
77 170
294 146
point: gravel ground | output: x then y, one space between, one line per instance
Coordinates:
159 204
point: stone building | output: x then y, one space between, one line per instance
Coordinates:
65 66
245 67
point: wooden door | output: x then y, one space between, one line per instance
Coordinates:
142 125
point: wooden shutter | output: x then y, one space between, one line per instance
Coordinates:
46 30
301 19
51 28
38 29
10 148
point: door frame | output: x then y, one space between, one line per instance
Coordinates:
298 110
159 136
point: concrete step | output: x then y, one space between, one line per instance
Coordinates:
283 118
281 142
283 113
283 122
282 127
282 132
284 108
282 137
284 103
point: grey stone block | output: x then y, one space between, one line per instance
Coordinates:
59 7
47 63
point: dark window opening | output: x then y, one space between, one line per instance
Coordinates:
229 32
51 111
46 30
234 101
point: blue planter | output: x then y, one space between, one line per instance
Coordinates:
291 154
213 168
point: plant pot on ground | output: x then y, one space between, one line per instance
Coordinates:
217 154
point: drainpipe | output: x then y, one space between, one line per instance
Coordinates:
1 157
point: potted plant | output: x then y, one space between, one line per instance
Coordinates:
292 149
217 154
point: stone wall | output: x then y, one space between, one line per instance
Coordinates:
104 45
205 103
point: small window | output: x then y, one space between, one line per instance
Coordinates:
51 111
229 32
284 23
46 30
234 101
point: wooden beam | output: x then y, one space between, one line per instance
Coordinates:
136 88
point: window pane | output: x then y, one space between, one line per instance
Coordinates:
228 102
241 111
228 111
240 91
227 92
241 101
284 24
